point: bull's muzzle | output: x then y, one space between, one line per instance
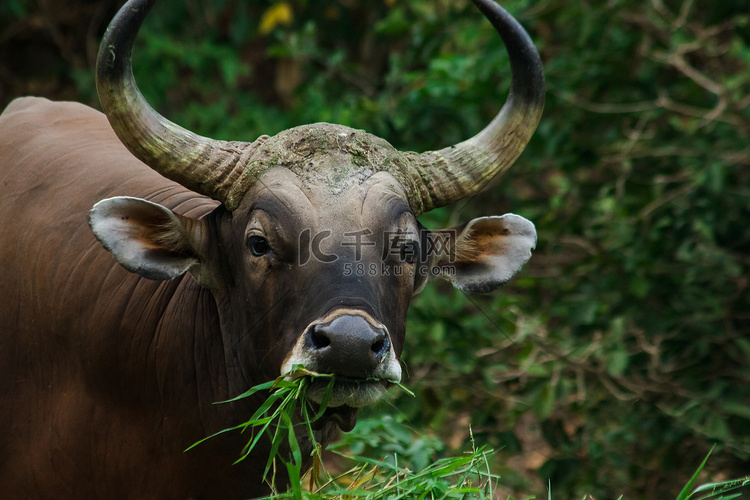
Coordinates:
355 348
348 346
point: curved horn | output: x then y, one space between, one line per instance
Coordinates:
450 174
207 166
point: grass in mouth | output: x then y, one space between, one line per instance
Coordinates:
286 416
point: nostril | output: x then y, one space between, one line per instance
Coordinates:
319 339
380 347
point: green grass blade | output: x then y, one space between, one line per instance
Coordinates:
261 387
686 491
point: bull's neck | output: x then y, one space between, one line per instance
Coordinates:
180 342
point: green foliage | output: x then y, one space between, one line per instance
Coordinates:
286 420
13 9
724 490
411 468
388 436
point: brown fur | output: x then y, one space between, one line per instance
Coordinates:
89 350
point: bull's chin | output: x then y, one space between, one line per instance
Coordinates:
347 391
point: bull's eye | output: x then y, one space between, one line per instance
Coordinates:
409 252
258 245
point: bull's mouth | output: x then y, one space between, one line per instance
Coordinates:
345 395
353 392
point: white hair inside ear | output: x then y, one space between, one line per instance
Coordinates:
488 252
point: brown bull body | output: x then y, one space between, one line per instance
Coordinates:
233 263
85 368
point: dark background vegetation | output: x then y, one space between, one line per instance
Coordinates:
621 354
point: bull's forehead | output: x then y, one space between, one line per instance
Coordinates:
369 200
324 155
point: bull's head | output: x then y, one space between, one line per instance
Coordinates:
315 250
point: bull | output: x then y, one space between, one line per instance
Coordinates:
229 268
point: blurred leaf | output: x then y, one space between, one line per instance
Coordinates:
278 14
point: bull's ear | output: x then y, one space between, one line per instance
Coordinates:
485 253
146 238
